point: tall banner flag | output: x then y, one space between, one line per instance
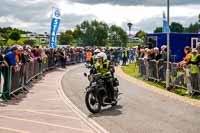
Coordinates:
55 22
165 24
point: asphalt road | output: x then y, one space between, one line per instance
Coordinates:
139 110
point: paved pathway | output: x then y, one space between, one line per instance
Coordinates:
41 111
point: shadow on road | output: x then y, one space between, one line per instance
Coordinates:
112 111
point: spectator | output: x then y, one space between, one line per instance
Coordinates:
125 56
141 53
187 51
157 55
198 49
11 56
163 53
194 69
3 63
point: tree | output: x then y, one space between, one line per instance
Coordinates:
66 38
158 30
14 36
176 27
91 33
199 19
129 27
193 28
117 36
141 35
29 42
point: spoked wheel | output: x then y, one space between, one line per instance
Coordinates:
92 103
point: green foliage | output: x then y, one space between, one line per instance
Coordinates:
7 31
193 28
158 30
176 27
141 34
10 42
29 42
117 36
14 36
199 18
66 38
91 33
99 34
2 43
133 44
132 70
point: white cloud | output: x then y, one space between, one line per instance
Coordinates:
35 15
117 14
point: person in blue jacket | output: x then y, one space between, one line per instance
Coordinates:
11 56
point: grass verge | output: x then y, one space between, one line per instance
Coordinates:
133 71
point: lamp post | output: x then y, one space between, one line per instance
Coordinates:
168 46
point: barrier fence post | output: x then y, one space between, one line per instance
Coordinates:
7 82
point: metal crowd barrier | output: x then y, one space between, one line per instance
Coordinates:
74 58
17 79
179 77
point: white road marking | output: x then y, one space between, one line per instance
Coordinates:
45 123
13 130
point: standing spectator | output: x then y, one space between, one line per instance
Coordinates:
125 56
163 53
195 60
88 56
11 56
3 62
187 51
162 65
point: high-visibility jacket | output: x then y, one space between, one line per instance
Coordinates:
125 53
103 68
194 67
88 56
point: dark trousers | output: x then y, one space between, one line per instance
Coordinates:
110 88
124 60
195 81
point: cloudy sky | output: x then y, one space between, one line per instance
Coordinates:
35 15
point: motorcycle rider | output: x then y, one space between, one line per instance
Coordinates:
104 66
93 60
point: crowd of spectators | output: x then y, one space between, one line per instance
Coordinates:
17 55
153 53
185 72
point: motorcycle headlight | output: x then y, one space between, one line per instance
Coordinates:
94 84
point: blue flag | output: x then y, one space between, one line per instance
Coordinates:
165 24
55 22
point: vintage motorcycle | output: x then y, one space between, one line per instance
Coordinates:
96 93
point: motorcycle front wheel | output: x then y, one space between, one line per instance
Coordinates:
92 103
